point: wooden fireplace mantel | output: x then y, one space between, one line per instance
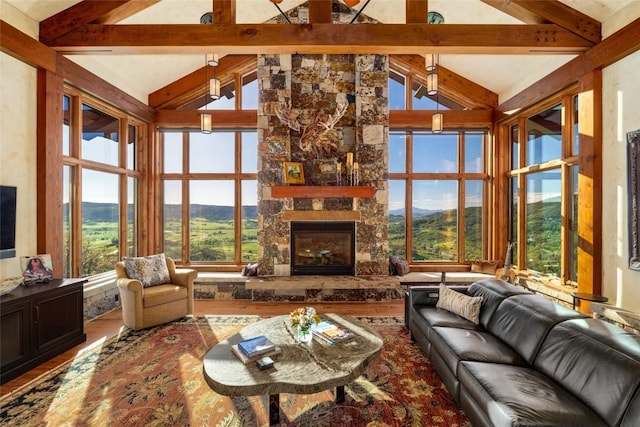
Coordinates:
318 191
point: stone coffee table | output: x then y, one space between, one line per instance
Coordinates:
300 368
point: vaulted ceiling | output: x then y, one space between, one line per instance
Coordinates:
502 45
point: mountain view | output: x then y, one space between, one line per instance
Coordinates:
435 236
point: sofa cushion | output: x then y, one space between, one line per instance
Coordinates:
460 304
493 292
455 344
596 361
440 317
632 414
150 270
519 396
162 294
523 321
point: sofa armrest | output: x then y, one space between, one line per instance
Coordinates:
429 294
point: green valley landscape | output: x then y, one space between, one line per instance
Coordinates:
212 235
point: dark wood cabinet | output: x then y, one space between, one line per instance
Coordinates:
38 322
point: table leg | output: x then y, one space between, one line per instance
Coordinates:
274 409
340 397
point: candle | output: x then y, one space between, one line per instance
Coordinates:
339 167
349 160
355 165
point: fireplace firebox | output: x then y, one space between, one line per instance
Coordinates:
323 248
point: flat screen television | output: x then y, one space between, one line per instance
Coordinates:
7 221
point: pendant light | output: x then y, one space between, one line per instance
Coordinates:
437 119
214 83
205 116
431 66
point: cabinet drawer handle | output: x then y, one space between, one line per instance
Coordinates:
36 317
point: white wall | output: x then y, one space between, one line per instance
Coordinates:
621 114
18 152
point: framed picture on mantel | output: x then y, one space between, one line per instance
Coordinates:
293 173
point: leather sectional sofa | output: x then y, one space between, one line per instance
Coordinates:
528 361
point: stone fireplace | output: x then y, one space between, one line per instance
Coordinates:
323 248
309 87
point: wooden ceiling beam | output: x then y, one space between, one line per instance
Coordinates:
24 48
224 11
77 76
452 85
321 39
191 86
320 11
615 47
453 119
551 12
416 11
89 11
121 13
221 119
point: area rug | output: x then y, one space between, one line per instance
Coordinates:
154 377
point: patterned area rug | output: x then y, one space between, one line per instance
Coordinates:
154 377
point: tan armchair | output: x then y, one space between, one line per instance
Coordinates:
151 306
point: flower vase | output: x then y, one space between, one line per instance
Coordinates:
304 334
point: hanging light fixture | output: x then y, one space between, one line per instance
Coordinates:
432 67
214 83
432 82
437 119
205 116
431 62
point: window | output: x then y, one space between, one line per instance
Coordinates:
100 173
214 199
436 196
209 187
543 180
437 212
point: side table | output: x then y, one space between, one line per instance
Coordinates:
587 297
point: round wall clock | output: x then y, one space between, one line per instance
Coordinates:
207 18
435 18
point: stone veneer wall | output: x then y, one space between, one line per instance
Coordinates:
311 83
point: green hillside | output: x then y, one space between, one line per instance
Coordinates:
435 236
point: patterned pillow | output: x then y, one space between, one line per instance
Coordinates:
150 270
460 304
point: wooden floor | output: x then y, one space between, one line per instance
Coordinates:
110 324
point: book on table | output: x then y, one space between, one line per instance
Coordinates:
256 346
331 333
244 359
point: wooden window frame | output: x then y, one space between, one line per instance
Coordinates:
76 164
564 164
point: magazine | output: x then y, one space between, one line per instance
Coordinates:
331 333
36 268
256 346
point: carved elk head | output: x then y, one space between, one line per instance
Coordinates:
318 135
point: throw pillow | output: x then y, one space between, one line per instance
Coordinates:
150 270
460 304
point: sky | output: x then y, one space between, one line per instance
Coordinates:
214 153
